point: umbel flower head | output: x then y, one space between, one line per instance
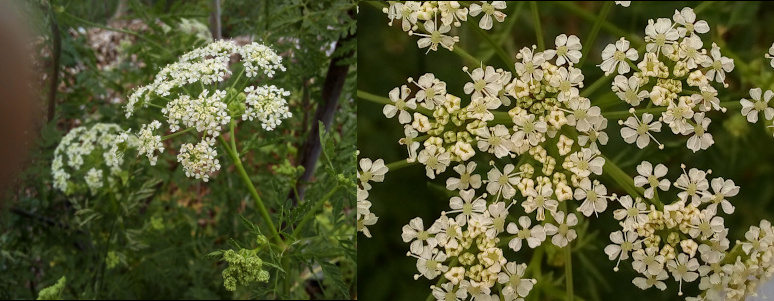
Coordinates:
88 158
206 107
676 72
244 267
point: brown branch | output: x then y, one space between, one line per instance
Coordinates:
215 27
331 91
56 53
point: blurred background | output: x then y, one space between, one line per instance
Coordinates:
742 151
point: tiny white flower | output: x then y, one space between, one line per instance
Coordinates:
400 105
770 55
701 138
495 140
650 176
593 195
651 280
623 3
562 234
503 183
660 36
694 185
722 190
467 177
623 244
371 171
582 113
648 261
435 160
719 65
614 57
512 277
449 291
432 93
436 35
415 233
534 236
467 206
539 198
489 10
584 162
687 18
412 145
638 130
567 50
633 214
527 129
529 68
628 89
751 108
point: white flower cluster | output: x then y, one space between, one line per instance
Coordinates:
555 132
85 152
451 13
685 90
664 240
149 143
257 57
210 110
370 171
205 113
266 104
199 160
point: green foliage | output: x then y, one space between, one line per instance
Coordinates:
154 235
53 292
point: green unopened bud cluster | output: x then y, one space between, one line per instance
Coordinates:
244 268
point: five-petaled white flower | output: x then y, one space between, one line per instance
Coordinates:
614 57
489 10
534 236
623 244
567 50
539 198
649 175
638 130
512 277
467 177
757 105
400 103
593 195
633 214
701 138
371 171
415 233
562 234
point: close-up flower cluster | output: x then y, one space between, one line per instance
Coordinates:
208 111
522 178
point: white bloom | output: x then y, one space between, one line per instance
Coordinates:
722 190
649 175
503 183
148 143
567 50
584 162
512 277
690 50
534 236
207 113
562 234
539 198
435 160
770 55
415 233
638 130
623 3
266 104
485 83
694 185
398 96
529 68
94 180
623 244
593 195
648 261
257 56
495 140
467 206
489 10
660 36
527 129
677 115
701 139
687 18
467 177
718 64
567 80
449 291
615 55
582 113
432 93
651 280
627 89
430 263
366 220
371 171
706 224
437 35
200 160
757 105
408 141
633 214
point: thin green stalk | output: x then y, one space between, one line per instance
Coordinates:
594 31
538 29
309 214
246 179
399 164
384 100
568 263
588 16
734 104
177 134
499 50
596 85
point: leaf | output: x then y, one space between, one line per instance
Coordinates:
217 254
275 266
250 226
333 273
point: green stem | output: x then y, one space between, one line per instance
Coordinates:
734 104
499 50
246 179
311 213
568 263
538 29
177 134
385 101
595 86
577 10
594 31
398 165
